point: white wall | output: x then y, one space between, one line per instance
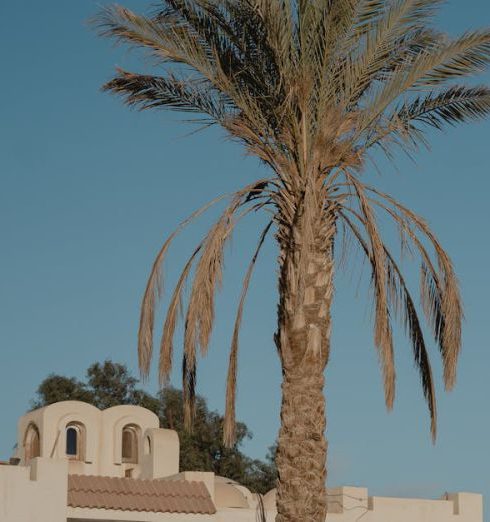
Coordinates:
161 450
97 515
34 494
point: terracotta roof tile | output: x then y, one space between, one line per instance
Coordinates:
126 494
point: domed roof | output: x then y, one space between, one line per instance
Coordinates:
230 494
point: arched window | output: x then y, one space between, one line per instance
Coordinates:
32 443
75 441
130 435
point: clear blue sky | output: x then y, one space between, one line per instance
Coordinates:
90 189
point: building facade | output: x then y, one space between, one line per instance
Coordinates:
76 463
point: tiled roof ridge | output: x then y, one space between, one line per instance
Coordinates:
132 479
130 494
145 487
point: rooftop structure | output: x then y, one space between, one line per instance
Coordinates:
76 463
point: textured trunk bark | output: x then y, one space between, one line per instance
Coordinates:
302 448
306 288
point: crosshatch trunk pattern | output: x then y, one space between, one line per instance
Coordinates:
303 340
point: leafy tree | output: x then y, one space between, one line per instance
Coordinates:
310 88
111 384
108 384
57 388
262 474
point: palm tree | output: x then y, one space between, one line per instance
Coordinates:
310 87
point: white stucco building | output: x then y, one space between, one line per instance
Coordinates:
76 463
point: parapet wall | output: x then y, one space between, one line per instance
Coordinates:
38 493
350 504
34 493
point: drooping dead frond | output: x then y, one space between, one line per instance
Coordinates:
383 338
229 425
403 306
189 372
199 317
200 314
441 300
200 309
153 291
166 343
154 285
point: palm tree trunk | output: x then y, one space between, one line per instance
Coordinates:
306 287
302 448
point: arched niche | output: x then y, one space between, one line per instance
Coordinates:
130 442
32 443
117 418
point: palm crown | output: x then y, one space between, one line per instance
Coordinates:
309 87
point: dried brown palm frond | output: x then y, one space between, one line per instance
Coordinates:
207 278
166 343
403 306
229 424
383 338
153 290
154 285
439 291
441 300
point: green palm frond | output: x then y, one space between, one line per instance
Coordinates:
384 35
237 42
171 92
433 66
457 104
167 43
464 56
